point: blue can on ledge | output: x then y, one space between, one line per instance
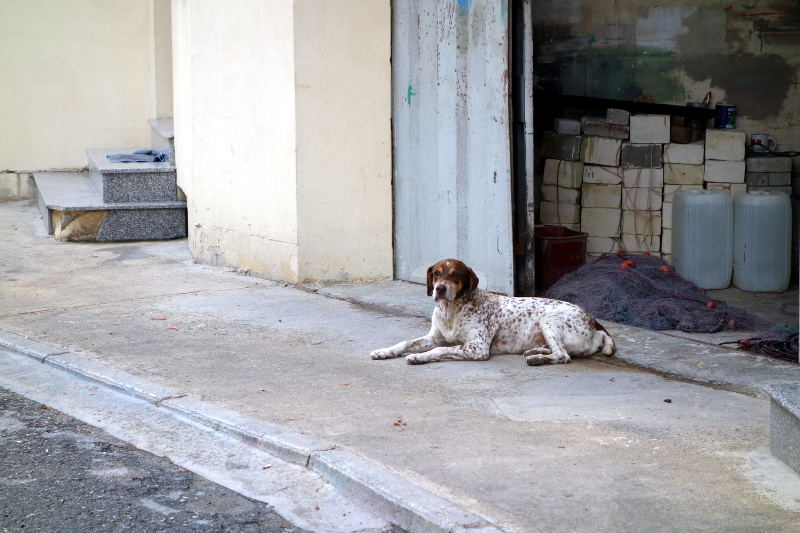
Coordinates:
726 116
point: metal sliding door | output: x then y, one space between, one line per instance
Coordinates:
452 183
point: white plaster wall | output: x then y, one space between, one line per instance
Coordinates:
74 75
344 144
235 132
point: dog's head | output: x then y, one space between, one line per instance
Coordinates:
450 279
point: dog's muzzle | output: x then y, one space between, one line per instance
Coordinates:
440 293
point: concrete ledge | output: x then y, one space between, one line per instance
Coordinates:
784 424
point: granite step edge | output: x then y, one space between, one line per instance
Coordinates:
76 191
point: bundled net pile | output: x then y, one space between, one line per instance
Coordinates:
645 291
779 342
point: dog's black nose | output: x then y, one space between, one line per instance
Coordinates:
440 289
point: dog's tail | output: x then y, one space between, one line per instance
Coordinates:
605 340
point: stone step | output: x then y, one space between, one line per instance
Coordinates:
162 136
131 182
73 210
784 423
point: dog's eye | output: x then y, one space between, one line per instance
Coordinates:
436 274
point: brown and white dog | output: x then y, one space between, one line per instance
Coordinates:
471 324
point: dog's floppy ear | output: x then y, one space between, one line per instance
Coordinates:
430 281
472 282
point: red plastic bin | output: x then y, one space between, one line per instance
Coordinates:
557 252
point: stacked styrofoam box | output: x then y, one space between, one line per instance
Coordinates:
628 184
724 160
628 173
642 160
601 194
769 174
683 169
641 209
563 173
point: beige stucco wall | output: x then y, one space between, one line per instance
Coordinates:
344 155
161 53
283 139
75 75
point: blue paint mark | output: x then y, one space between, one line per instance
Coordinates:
503 9
466 4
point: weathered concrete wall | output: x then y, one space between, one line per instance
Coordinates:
16 186
745 53
283 137
75 75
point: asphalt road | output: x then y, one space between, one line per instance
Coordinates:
60 475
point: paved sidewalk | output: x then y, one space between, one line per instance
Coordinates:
590 446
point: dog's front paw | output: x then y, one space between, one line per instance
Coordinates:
415 359
383 353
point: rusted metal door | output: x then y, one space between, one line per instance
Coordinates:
452 164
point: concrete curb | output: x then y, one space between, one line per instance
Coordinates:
400 501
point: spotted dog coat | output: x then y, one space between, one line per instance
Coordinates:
471 324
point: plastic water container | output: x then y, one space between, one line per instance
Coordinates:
762 241
702 237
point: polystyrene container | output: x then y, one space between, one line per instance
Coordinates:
702 237
762 241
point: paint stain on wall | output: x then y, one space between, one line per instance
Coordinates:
410 93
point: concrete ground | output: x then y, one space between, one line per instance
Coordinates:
672 434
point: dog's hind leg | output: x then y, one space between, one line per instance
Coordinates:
550 351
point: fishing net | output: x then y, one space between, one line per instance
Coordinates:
646 292
779 342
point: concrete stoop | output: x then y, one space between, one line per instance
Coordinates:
784 423
114 201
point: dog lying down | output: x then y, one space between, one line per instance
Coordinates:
471 324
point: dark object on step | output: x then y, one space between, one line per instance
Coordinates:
139 156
